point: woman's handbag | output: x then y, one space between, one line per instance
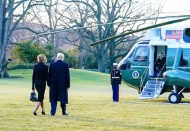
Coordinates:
33 97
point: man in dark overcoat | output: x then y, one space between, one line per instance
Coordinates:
59 83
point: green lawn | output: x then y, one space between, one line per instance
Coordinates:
90 107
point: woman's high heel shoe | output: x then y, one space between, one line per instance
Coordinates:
35 113
43 113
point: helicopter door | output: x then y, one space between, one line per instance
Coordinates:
155 51
151 60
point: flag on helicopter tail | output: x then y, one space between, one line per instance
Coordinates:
173 34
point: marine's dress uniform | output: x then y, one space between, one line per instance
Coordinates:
115 81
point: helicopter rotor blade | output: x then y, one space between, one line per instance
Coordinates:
78 28
142 29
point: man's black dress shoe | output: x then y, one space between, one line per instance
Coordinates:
51 114
65 113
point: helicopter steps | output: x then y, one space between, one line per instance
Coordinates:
152 89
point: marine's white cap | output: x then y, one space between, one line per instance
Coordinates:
115 64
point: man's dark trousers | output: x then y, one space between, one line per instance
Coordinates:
54 107
115 89
63 107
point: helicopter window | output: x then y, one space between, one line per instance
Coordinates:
184 58
125 63
171 56
141 53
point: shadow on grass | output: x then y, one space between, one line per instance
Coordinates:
160 101
111 124
12 77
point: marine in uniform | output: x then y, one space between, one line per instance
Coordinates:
116 78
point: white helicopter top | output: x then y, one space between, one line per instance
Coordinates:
167 35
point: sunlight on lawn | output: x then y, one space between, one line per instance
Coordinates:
90 108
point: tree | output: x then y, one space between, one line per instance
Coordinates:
27 51
71 57
89 61
9 20
50 13
109 11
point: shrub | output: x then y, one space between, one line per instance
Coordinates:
27 51
14 66
20 66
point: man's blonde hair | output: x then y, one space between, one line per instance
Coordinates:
41 58
60 56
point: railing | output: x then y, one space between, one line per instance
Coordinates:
143 78
160 71
157 78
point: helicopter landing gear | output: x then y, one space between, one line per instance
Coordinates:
175 97
140 90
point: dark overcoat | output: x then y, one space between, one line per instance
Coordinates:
39 79
59 81
160 63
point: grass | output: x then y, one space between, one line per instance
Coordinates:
90 107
